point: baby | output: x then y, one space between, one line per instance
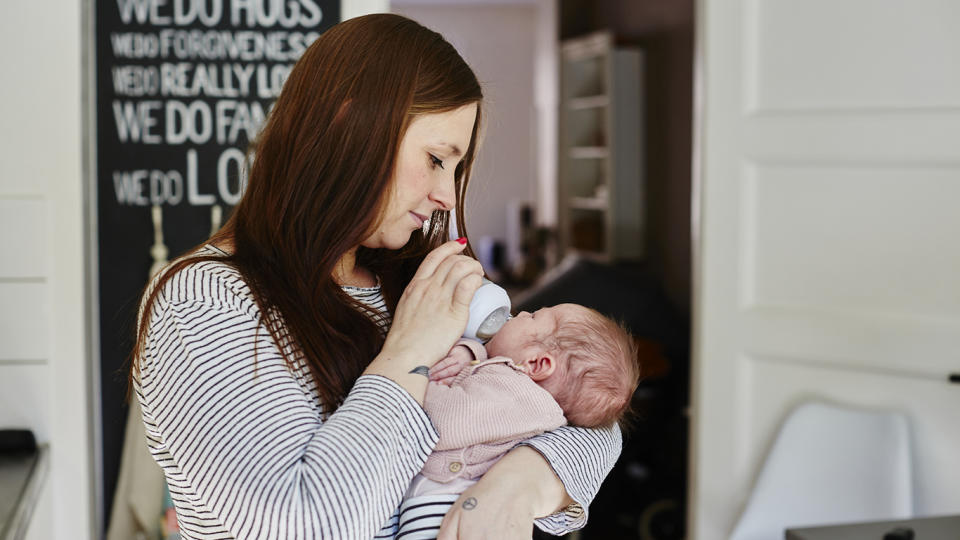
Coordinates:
558 365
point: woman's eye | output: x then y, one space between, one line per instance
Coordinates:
435 161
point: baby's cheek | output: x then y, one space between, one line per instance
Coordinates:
505 343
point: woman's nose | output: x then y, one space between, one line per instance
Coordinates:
444 193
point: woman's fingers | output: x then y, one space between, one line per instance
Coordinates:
432 311
455 268
437 256
466 288
454 279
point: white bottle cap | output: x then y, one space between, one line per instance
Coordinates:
489 299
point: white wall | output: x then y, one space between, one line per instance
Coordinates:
44 364
354 8
497 39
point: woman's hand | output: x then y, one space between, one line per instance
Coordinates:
430 316
432 312
503 504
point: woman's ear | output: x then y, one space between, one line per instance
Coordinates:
541 365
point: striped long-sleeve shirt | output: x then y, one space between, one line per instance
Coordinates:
247 452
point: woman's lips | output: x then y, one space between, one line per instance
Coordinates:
418 219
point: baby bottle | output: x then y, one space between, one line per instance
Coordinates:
489 311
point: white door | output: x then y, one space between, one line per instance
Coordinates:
827 258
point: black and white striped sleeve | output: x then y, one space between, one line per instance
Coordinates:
582 458
249 442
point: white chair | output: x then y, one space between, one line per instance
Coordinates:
831 465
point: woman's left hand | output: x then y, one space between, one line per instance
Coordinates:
503 504
488 512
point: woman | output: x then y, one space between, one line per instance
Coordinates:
279 395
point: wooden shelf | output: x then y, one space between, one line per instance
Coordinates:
588 102
600 181
585 48
589 152
588 203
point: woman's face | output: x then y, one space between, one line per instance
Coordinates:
424 176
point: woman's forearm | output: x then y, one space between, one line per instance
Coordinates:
227 421
581 458
518 489
413 379
558 470
524 466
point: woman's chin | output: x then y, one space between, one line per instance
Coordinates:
397 241
392 240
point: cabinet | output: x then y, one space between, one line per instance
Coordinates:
600 192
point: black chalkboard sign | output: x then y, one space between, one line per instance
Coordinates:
182 87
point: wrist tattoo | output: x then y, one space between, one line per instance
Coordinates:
421 370
469 504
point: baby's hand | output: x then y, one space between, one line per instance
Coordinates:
444 371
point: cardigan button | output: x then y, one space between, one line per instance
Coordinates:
456 466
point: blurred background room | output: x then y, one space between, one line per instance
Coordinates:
763 191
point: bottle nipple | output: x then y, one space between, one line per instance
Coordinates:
493 323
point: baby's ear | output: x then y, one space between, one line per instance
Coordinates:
541 365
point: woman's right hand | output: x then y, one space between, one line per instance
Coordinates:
430 316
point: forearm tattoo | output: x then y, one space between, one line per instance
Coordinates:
421 370
469 504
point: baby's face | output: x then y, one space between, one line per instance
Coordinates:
526 332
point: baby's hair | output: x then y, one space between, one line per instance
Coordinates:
601 370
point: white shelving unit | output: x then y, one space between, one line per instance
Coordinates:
600 191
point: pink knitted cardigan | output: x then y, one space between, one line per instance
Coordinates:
489 407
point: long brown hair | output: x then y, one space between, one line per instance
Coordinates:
320 175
